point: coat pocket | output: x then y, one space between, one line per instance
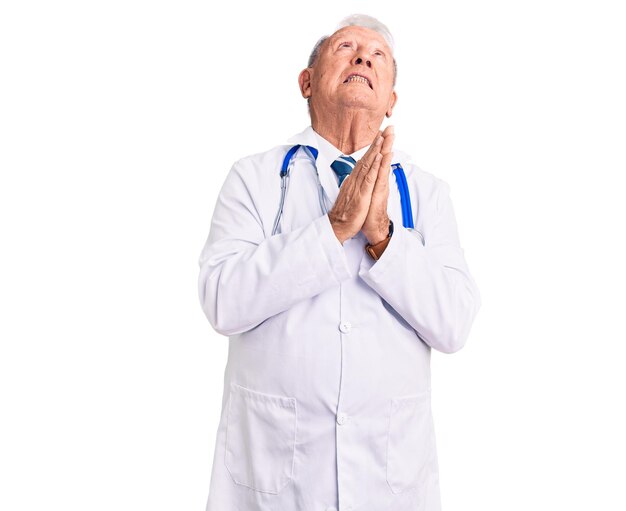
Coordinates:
260 439
410 441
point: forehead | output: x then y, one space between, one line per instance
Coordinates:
363 35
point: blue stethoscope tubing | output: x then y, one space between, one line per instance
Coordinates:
403 188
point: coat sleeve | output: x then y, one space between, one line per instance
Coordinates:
427 281
246 277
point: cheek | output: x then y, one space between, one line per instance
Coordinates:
324 80
387 85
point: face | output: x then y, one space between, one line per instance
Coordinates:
351 51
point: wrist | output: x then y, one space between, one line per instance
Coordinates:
375 250
384 231
339 232
380 237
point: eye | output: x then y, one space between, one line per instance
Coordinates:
341 45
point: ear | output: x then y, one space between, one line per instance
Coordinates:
392 103
304 80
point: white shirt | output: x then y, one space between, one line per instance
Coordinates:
326 399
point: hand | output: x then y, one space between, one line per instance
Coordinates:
376 224
352 204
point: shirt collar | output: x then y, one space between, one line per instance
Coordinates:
312 138
327 155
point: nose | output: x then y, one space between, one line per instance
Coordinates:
359 60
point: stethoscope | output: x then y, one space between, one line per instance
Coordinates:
405 198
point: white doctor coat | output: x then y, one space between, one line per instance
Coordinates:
326 400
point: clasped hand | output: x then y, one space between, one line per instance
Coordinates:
362 201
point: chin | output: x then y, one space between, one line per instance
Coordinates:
358 102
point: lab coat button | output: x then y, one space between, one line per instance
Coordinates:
342 418
345 326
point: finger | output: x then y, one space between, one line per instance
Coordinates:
382 181
389 137
372 173
368 158
385 165
364 165
389 130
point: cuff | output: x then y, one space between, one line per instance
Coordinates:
332 248
374 270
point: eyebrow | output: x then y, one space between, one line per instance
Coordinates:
341 40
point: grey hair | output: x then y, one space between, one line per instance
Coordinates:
361 20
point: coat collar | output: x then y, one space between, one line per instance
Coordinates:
327 153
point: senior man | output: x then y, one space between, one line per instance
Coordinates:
334 277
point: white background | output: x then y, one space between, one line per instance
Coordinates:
118 123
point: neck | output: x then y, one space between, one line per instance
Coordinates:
347 129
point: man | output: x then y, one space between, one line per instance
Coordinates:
332 304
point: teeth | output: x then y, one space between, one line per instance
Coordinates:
359 79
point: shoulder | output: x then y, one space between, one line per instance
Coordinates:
257 176
263 162
257 171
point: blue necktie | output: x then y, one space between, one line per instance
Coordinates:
343 166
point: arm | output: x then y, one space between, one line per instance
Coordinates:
429 285
246 278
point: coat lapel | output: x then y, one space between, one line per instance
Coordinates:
327 177
329 180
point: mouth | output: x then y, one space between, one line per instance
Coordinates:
356 77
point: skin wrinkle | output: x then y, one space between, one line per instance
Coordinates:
349 115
